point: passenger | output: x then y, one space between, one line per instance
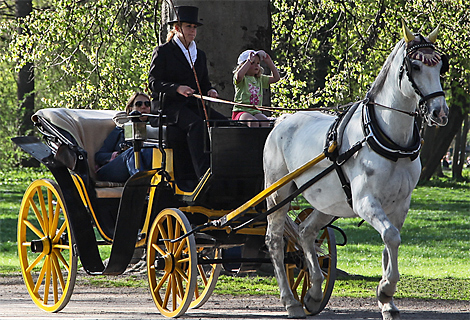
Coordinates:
115 159
249 82
171 72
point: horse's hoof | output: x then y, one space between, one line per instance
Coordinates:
312 305
391 315
296 312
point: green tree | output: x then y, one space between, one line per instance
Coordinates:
92 54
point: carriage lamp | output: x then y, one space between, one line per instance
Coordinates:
136 131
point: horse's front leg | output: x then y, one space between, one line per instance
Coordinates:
275 244
308 232
385 301
373 213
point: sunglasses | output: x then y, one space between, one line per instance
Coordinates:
139 104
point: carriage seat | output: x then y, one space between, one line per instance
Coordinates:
89 128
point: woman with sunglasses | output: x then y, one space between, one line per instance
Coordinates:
115 159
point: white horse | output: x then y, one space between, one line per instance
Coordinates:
382 173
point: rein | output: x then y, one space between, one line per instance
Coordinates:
264 108
410 113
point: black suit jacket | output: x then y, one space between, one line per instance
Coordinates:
170 69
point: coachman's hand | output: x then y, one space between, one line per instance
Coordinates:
185 91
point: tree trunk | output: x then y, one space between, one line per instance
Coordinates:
25 81
438 139
459 151
230 27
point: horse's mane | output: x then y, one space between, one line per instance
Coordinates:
380 80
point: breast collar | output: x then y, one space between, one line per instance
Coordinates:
381 143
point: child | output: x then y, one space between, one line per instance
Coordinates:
249 82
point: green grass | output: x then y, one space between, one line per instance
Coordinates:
434 257
435 237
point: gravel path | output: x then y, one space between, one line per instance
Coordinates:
89 302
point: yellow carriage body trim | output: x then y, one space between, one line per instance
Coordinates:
210 213
252 230
157 161
193 194
86 201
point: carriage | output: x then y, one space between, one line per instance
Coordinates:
189 229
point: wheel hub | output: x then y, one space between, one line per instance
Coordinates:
165 263
43 245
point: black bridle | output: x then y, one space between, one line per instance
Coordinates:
407 68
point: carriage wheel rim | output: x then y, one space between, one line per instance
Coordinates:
208 283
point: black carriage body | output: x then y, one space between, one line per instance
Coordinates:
236 173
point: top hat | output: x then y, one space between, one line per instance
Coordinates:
186 14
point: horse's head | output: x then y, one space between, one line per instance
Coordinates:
423 65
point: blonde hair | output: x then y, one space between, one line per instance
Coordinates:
130 102
171 33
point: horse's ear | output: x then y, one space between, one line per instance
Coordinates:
407 34
433 35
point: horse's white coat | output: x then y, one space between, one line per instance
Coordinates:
381 189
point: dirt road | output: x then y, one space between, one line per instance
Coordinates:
89 302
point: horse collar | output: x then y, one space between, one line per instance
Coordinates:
381 143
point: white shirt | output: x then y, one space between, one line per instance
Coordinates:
190 53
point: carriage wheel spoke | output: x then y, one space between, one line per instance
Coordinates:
161 282
169 221
56 258
35 262
34 229
157 248
202 274
44 211
59 232
168 292
174 293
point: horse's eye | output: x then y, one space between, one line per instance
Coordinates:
415 66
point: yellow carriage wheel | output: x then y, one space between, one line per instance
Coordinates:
45 242
171 267
298 275
207 276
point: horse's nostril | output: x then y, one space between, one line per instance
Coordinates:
435 114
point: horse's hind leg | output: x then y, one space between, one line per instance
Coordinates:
308 232
275 244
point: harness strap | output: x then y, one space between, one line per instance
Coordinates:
430 96
339 161
382 144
